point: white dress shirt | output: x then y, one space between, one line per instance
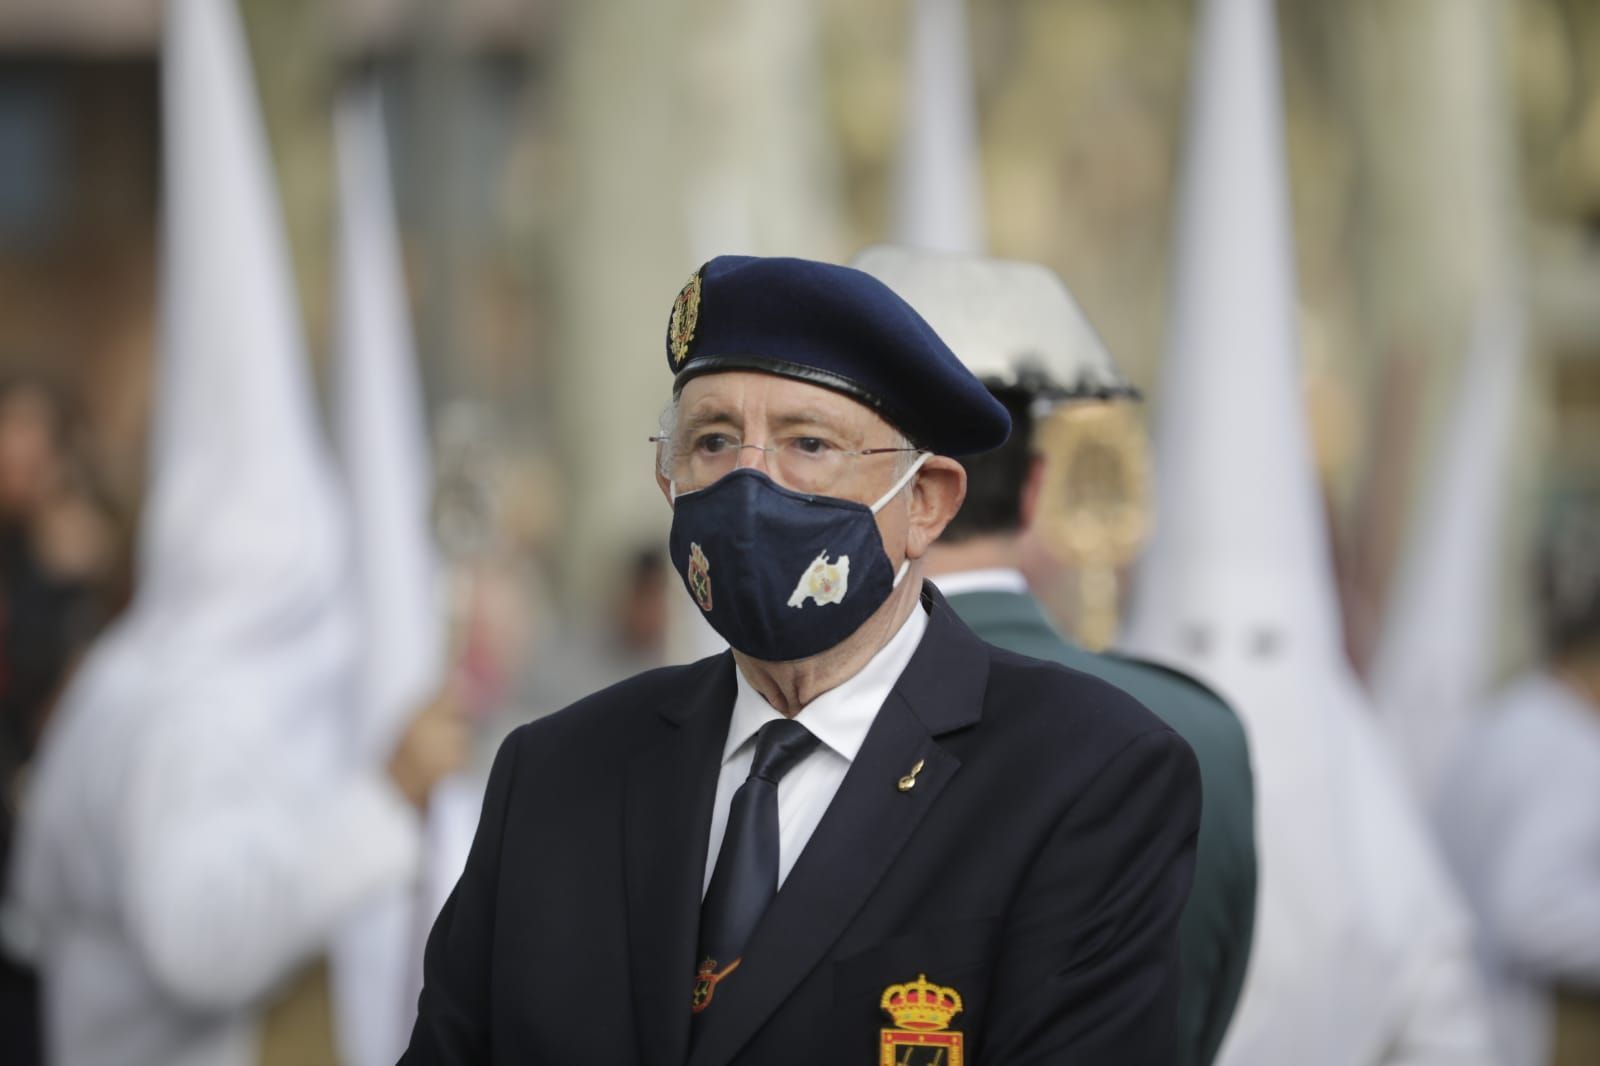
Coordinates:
839 718
989 579
1520 820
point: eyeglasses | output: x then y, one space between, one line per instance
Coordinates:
803 463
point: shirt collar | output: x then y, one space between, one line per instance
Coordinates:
991 579
841 716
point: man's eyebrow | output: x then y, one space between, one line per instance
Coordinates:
809 417
708 415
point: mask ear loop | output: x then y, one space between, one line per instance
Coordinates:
905 479
895 490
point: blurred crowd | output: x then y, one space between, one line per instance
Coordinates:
65 560
64 570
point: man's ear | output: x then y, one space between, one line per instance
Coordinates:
1032 486
663 482
936 496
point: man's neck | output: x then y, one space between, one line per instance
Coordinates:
789 686
995 551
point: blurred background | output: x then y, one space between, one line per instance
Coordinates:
560 168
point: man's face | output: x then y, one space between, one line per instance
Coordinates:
716 412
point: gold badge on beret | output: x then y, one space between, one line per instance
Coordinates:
921 1035
685 316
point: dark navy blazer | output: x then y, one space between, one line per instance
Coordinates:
1038 867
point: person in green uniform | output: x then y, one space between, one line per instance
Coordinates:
1017 327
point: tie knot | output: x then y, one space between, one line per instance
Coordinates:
779 748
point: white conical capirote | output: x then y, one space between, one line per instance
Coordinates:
243 533
1435 658
938 199
1239 558
383 437
382 432
1436 651
193 800
1360 944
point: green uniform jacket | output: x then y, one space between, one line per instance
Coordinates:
1219 920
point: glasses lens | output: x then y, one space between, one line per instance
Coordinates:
808 465
805 464
700 458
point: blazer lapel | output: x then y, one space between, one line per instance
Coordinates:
863 831
671 784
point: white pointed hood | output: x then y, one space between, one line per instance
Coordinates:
243 536
1429 675
194 829
1360 944
1240 557
383 438
384 446
938 200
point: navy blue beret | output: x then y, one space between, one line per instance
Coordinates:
839 328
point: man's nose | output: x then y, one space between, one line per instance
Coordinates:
754 455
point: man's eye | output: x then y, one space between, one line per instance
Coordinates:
713 443
812 446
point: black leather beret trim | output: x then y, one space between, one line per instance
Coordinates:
1080 390
708 364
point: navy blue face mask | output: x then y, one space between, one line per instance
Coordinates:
781 574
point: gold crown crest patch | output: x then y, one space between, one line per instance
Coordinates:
700 577
685 317
921 1035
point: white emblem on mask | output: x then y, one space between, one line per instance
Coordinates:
823 581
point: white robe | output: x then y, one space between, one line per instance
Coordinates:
1363 948
187 842
1520 818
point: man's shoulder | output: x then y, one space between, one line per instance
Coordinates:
1015 622
1047 699
1188 704
1053 732
1168 679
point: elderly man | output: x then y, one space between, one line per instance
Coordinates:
862 835
1017 327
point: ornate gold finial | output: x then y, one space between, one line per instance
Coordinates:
1094 509
921 1005
685 317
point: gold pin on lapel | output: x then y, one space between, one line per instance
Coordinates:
909 782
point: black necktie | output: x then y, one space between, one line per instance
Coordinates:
746 875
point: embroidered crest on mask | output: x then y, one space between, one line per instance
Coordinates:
685 317
700 577
823 581
921 1035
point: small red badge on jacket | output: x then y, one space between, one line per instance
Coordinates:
705 983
